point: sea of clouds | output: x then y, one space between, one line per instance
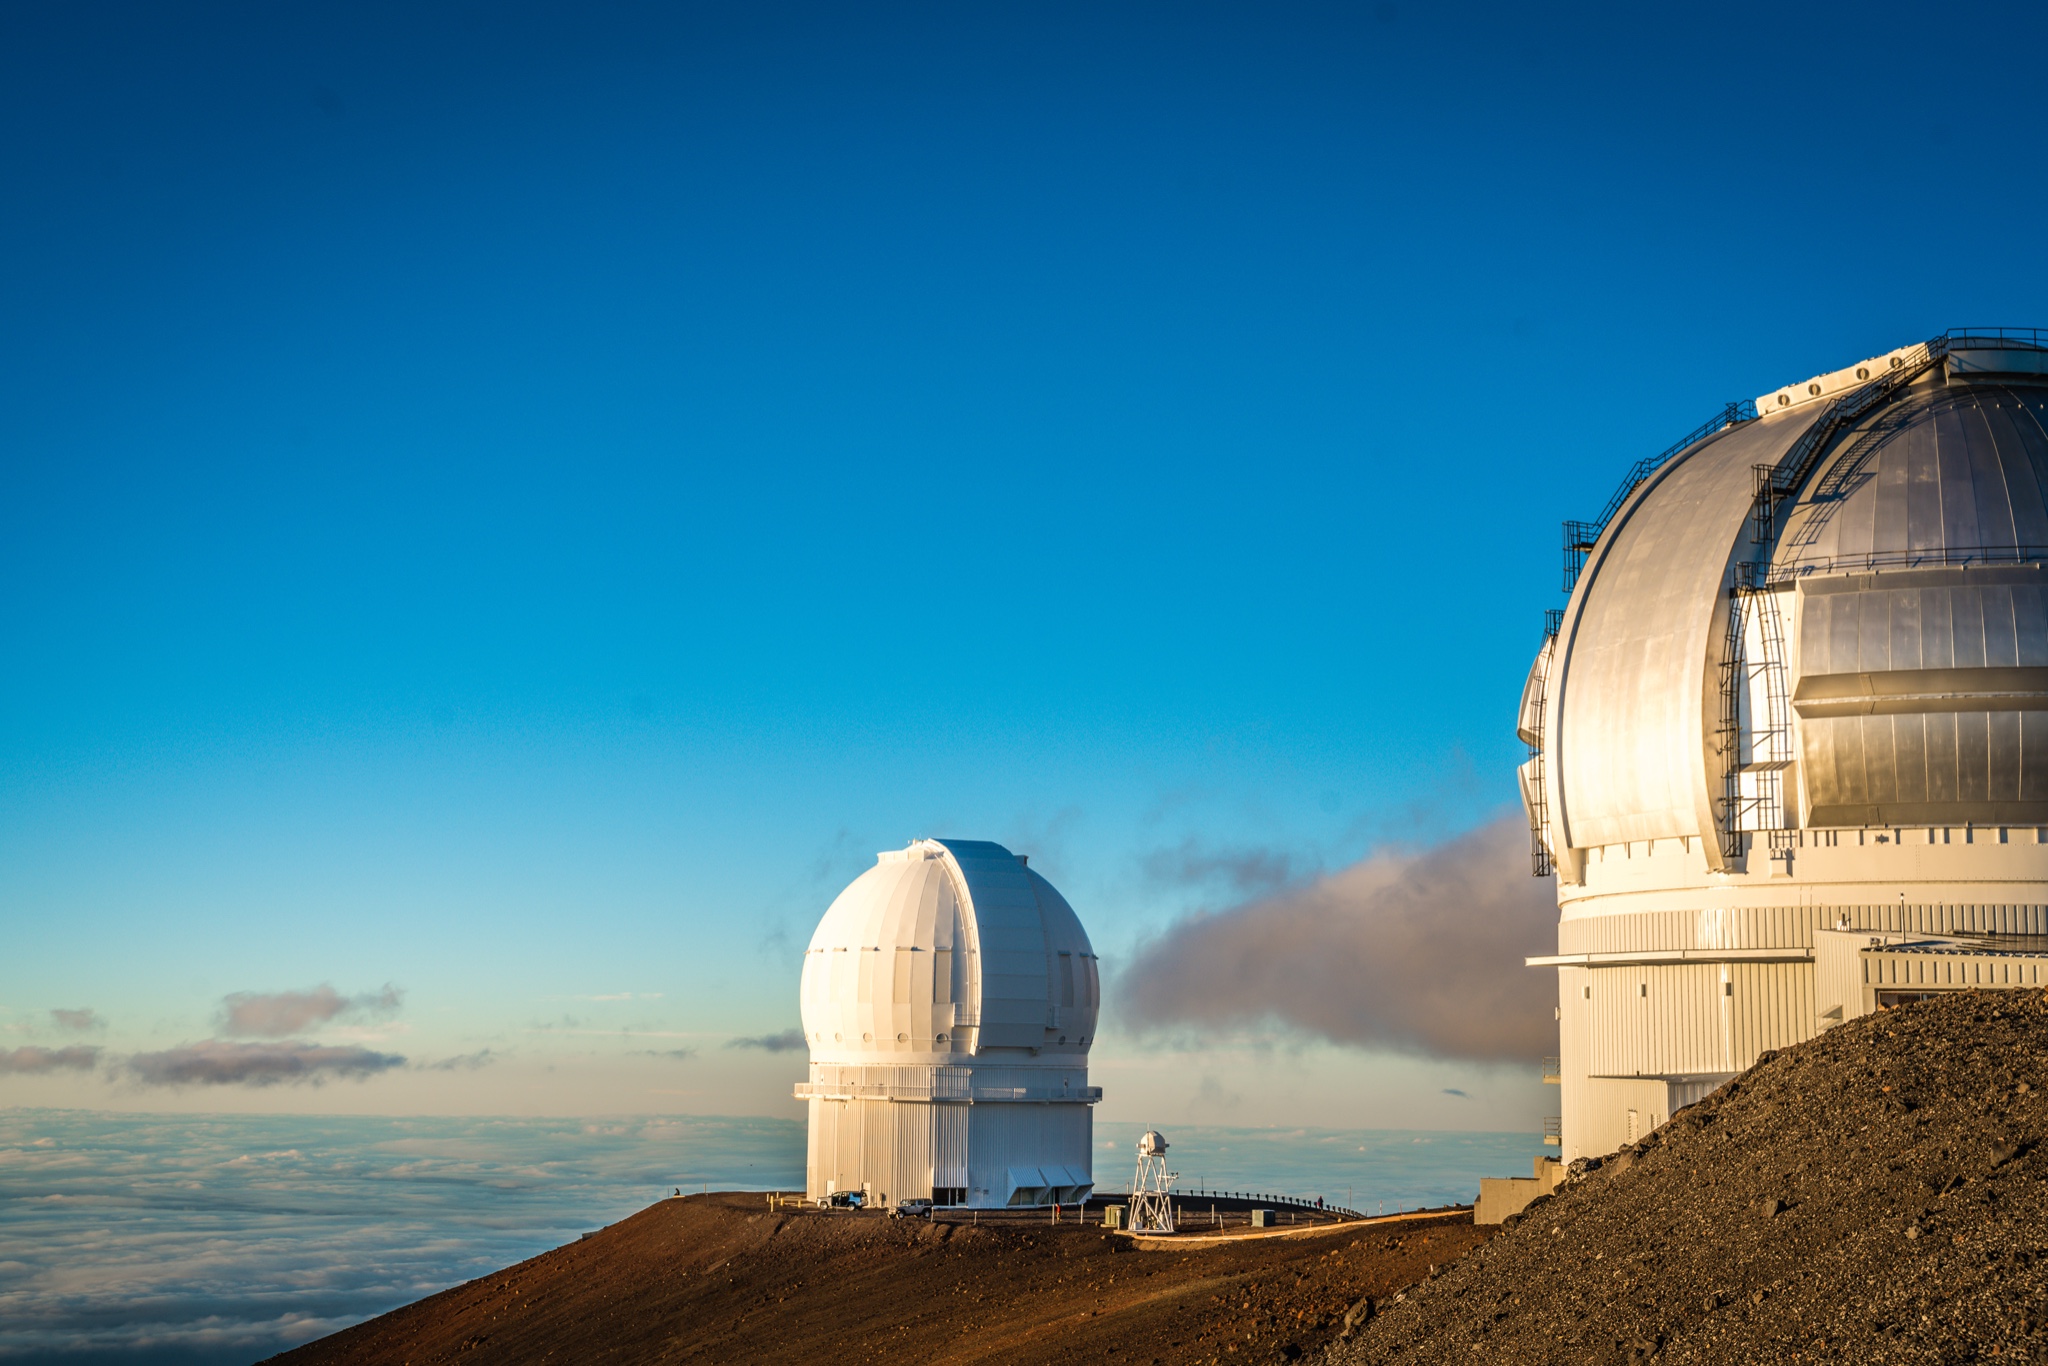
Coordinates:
216 1240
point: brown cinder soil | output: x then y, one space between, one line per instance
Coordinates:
1873 1195
722 1279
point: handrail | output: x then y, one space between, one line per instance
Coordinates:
1996 339
1581 537
880 1090
1791 571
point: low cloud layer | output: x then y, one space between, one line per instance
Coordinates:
274 1015
788 1041
79 1021
30 1061
214 1062
1417 952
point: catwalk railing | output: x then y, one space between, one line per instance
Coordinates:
832 1090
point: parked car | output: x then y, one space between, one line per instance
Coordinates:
911 1209
844 1200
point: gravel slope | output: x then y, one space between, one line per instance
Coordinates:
1873 1195
720 1279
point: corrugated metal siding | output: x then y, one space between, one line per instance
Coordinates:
1650 1021
1004 1136
1952 970
1784 927
1677 1019
1771 1006
1575 1059
949 1145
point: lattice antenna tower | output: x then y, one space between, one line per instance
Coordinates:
1152 1187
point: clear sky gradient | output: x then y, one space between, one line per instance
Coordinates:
518 502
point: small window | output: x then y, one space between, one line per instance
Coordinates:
1642 989
1727 988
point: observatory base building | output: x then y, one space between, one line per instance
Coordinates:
1789 735
949 1000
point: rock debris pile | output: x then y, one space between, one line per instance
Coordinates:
1873 1195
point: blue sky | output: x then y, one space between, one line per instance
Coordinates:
520 502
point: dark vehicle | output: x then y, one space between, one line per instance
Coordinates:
911 1209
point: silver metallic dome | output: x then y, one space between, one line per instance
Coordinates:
1789 735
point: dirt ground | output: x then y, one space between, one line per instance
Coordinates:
1875 1194
722 1279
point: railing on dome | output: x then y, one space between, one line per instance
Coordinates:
1996 339
1946 557
1581 537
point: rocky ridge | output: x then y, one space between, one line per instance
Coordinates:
1873 1195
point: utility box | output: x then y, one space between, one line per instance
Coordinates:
1113 1216
1262 1218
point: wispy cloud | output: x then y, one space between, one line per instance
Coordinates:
788 1041
679 1054
214 1062
465 1062
29 1061
1192 863
79 1021
1454 1091
273 1015
1417 951
568 1028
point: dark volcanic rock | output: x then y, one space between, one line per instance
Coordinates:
1874 1195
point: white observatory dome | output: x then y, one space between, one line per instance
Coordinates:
946 950
1793 721
949 998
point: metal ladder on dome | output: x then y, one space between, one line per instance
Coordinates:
1539 801
1743 812
1762 806
1785 476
